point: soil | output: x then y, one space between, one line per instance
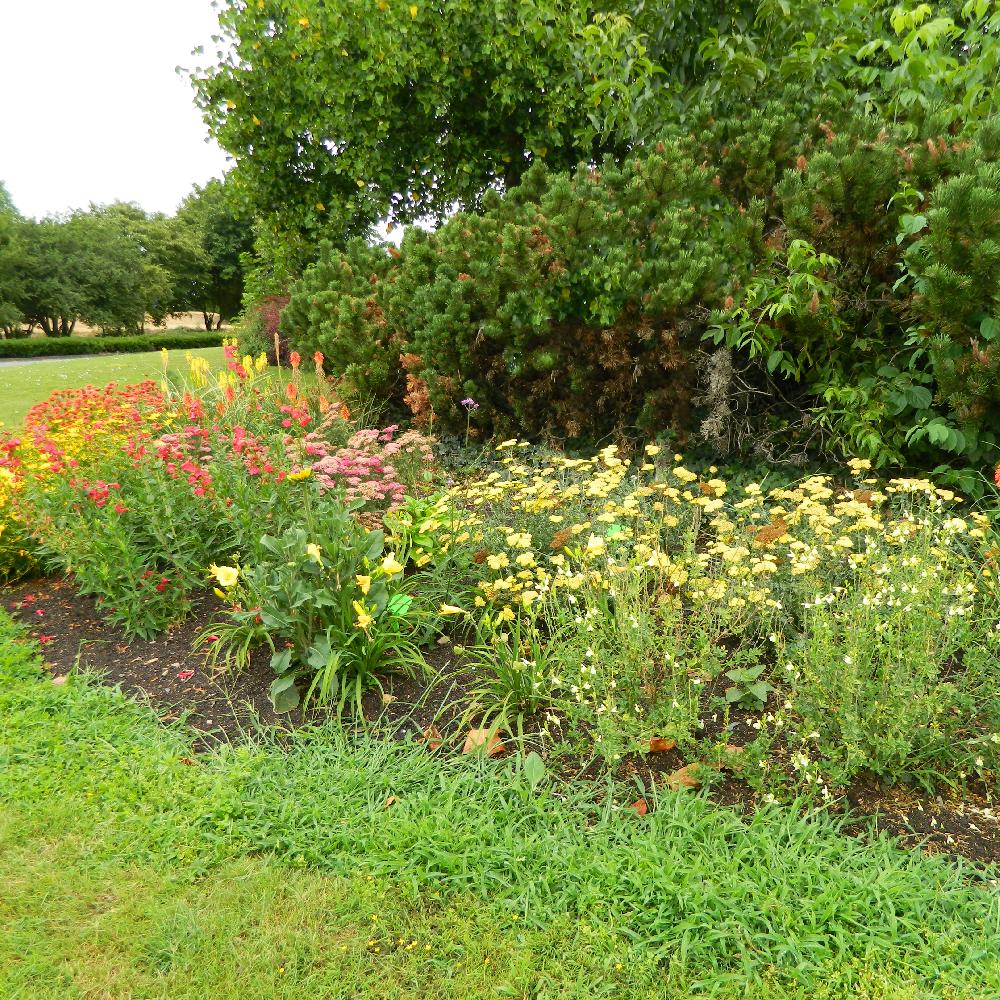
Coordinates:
178 685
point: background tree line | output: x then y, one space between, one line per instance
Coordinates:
117 267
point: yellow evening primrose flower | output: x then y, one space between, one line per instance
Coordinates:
390 565
364 583
315 553
450 609
226 575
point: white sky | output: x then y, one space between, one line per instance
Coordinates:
91 108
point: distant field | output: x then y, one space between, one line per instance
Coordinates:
22 384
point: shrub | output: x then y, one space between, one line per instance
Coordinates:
260 331
40 347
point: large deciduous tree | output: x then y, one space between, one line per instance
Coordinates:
340 113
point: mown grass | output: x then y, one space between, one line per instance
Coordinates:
132 867
23 385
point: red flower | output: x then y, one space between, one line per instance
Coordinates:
162 585
185 675
43 639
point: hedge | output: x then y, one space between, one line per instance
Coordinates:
41 347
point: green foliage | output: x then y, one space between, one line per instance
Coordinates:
640 890
563 309
216 286
339 114
343 308
330 607
40 347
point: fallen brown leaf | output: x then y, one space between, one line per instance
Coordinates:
432 737
60 680
658 744
640 806
390 800
388 699
188 761
483 739
683 777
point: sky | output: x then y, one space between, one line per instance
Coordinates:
91 109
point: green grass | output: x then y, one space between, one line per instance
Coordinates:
23 385
133 869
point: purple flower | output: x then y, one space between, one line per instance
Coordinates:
470 404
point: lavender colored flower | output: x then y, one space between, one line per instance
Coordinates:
470 404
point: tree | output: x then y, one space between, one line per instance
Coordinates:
223 239
339 114
10 313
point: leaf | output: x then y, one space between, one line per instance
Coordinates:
657 744
390 800
281 661
60 680
989 329
432 737
284 694
640 806
684 777
399 604
485 740
534 770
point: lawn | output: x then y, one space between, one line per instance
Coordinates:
23 385
356 867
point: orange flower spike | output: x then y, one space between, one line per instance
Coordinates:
345 413
291 391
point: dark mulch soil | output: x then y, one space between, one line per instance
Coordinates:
178 685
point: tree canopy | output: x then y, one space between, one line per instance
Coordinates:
339 114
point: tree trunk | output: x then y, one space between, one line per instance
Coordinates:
207 319
218 322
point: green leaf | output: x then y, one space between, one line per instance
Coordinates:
399 604
284 694
281 661
989 329
533 770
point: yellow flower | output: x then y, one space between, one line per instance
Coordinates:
450 609
365 583
226 575
300 475
652 449
364 619
315 553
497 561
391 566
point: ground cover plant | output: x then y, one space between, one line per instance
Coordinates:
417 870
